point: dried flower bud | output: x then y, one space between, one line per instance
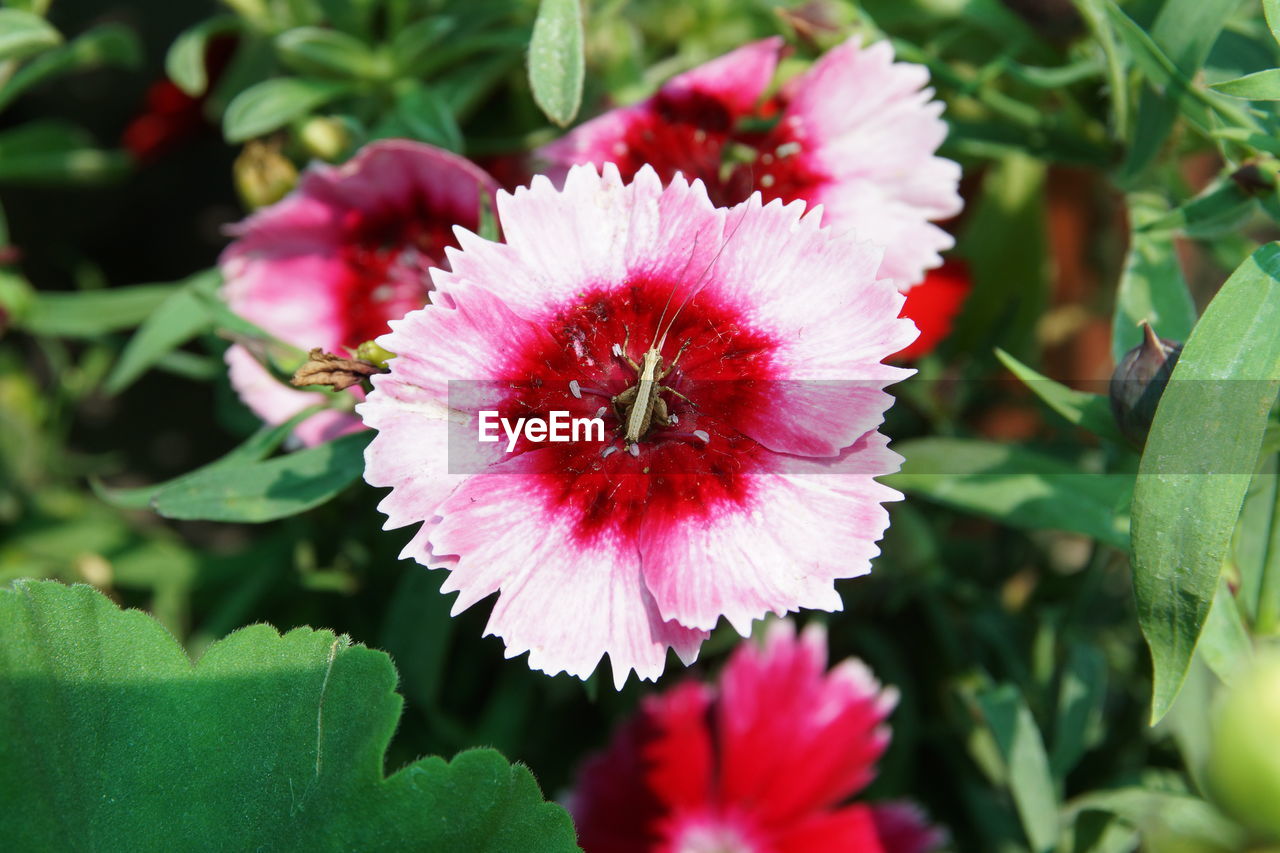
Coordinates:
1138 383
262 174
325 368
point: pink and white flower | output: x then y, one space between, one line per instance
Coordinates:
344 253
755 502
763 762
856 133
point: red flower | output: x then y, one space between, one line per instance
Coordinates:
170 116
933 305
761 764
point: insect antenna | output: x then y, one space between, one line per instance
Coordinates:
698 285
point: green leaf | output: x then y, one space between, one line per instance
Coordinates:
427 117
1015 486
1081 694
67 166
1224 643
1006 242
178 319
274 103
1151 287
1271 10
110 739
1022 751
1180 40
1184 814
23 34
185 61
90 313
1089 411
1259 86
324 53
1257 548
258 446
1219 209
411 46
265 491
105 45
1198 461
557 66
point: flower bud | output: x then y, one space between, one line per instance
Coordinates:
1138 382
374 354
262 174
325 138
1244 762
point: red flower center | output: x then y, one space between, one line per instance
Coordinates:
673 473
695 134
386 256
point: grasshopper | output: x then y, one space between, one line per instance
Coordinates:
641 405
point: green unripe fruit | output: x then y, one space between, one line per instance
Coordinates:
1244 765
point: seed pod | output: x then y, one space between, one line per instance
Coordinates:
1138 382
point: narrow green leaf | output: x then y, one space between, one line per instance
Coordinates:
324 53
1219 209
1257 548
1015 486
1028 777
557 66
23 34
1151 286
274 103
175 321
427 117
1082 689
1259 86
81 166
1095 16
1183 814
1089 411
265 491
185 61
111 739
410 47
1271 10
256 447
1007 241
1224 643
93 312
1198 463
1182 36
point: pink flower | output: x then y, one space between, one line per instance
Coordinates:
344 253
755 501
762 763
856 133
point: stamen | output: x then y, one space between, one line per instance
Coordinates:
617 350
600 411
575 389
608 451
702 434
634 450
672 419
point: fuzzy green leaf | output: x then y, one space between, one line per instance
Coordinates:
185 61
110 739
557 66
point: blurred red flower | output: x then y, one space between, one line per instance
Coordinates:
933 305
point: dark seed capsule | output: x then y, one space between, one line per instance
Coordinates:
1138 382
